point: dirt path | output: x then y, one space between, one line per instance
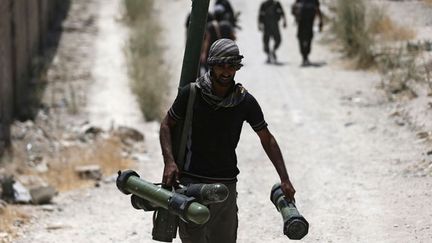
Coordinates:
345 155
111 101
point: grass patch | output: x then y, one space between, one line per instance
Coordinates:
428 75
107 153
149 80
350 28
360 27
403 68
398 67
385 28
369 37
11 217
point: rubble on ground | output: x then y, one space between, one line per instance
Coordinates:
93 172
37 141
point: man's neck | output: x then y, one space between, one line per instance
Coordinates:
221 90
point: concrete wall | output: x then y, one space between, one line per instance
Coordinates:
6 73
24 28
21 55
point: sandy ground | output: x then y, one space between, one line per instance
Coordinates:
111 102
345 154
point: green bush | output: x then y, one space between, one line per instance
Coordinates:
351 29
136 9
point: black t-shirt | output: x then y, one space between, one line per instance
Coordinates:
270 13
314 3
306 18
228 10
308 9
215 133
219 30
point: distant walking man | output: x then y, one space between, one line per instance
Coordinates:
270 13
216 29
229 11
304 12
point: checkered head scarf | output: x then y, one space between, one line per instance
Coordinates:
224 51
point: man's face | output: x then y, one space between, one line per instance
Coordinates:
224 73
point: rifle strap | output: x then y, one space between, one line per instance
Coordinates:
186 127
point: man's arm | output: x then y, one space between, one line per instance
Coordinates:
320 17
261 18
205 46
171 171
282 13
272 150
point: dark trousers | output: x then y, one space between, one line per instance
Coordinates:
305 34
275 35
222 225
305 47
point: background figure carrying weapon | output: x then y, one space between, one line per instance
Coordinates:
304 12
216 29
209 18
229 13
270 13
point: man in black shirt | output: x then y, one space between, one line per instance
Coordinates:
220 108
304 12
229 11
270 13
216 29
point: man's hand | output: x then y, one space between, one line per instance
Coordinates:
260 27
288 190
170 174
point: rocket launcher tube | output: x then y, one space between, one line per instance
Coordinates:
207 193
295 225
185 207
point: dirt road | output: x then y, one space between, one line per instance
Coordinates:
345 154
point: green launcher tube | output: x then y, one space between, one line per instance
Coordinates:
129 182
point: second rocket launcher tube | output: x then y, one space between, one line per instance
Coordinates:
195 212
295 225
